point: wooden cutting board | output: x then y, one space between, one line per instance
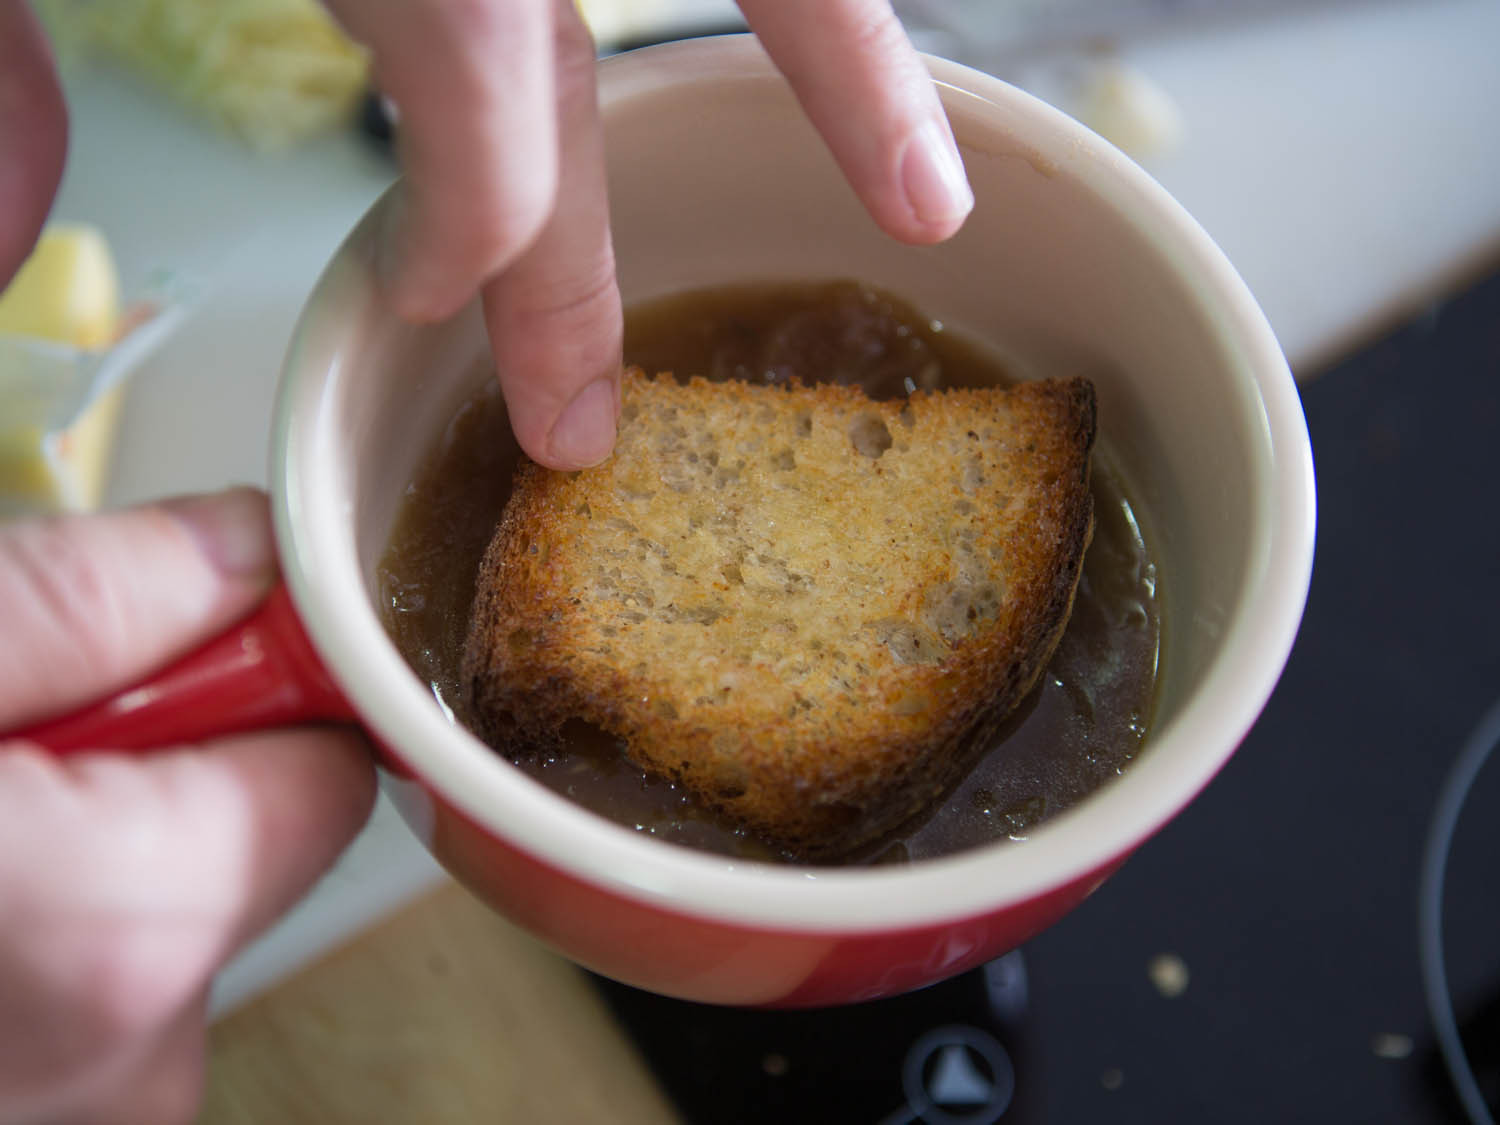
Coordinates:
446 1013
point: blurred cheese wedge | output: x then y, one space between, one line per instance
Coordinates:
66 293
272 72
1125 107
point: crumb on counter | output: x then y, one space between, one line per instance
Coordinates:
1169 973
1391 1045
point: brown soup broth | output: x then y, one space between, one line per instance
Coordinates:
1080 727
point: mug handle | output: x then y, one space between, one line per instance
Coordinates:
262 672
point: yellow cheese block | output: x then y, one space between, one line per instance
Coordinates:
66 293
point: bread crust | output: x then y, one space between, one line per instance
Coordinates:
803 606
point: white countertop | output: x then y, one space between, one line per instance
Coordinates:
1344 159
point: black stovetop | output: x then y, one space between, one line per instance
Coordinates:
1288 891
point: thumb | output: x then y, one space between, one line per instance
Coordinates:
93 603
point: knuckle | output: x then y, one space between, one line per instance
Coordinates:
74 593
503 231
875 31
472 25
478 230
143 949
582 296
567 325
468 249
134 984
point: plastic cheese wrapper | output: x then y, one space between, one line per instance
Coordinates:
66 353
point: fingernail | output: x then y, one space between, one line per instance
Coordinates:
933 175
232 529
584 434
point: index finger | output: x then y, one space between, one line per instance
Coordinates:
554 317
865 89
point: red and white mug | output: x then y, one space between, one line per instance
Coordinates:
1073 261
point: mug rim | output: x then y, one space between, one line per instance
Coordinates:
314 533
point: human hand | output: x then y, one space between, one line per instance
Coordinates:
33 134
125 881
505 191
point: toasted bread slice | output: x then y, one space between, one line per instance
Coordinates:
798 603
